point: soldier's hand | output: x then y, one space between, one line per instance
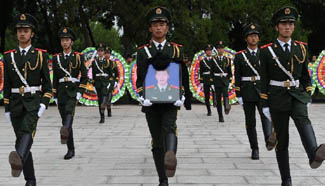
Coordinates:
240 101
308 104
56 101
8 116
180 103
41 110
115 84
267 114
78 96
147 103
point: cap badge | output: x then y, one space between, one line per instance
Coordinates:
253 27
22 17
65 30
287 11
220 42
158 11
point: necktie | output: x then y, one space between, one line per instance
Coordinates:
65 56
286 50
23 52
159 47
253 53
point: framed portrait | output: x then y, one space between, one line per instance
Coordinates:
163 86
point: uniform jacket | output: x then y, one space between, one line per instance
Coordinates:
206 73
225 65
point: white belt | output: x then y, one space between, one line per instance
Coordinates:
206 72
102 75
251 78
287 83
221 74
68 79
23 90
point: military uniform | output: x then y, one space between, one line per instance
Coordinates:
222 73
206 77
285 92
248 88
27 88
66 86
161 118
171 92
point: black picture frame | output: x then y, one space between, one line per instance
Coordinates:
157 91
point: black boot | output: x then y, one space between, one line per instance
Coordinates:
158 156
109 111
70 144
102 115
268 134
252 138
219 109
208 109
282 158
69 154
29 172
226 104
315 154
170 155
18 158
66 128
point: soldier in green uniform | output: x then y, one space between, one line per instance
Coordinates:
286 92
161 118
113 78
248 88
27 92
67 87
101 73
221 70
206 76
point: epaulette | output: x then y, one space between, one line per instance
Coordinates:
267 45
240 51
42 50
78 53
56 54
300 42
9 51
151 86
176 44
143 46
173 86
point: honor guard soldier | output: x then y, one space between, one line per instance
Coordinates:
286 92
221 70
248 88
27 92
101 73
206 76
113 79
161 117
67 87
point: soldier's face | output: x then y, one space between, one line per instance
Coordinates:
220 51
252 39
24 35
66 43
285 29
100 53
208 52
158 29
162 77
107 55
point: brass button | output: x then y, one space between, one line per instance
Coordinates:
66 86
254 83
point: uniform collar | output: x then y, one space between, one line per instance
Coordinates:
26 49
283 43
162 87
64 54
162 44
250 50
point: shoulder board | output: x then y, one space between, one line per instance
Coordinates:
267 45
143 46
9 51
40 49
240 52
78 53
173 86
56 54
176 44
300 42
151 86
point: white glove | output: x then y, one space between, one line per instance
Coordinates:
230 86
78 96
144 102
266 112
8 116
180 103
212 86
308 104
115 84
41 110
56 101
240 101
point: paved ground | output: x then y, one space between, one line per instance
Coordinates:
118 152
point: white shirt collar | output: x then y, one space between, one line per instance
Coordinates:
162 87
156 44
26 49
250 50
283 43
64 54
